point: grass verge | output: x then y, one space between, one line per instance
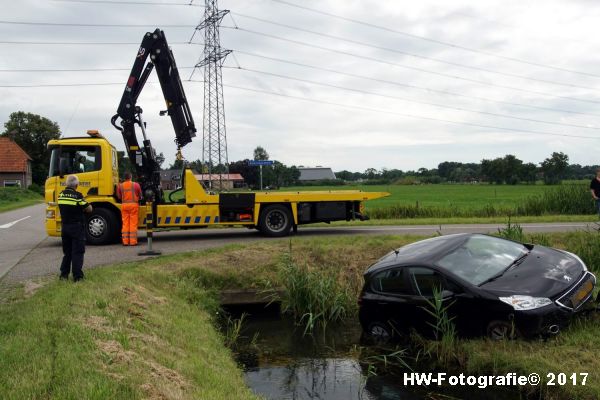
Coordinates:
127 332
147 331
13 198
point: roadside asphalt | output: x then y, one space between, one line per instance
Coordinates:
26 252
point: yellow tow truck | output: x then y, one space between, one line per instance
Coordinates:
94 160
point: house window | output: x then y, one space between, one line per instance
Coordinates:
12 183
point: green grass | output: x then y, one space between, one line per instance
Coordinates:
13 198
450 201
346 258
443 195
127 332
146 330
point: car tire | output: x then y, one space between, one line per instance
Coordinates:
102 227
379 331
275 221
502 330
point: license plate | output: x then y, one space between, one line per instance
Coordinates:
582 293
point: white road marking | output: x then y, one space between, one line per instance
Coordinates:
6 226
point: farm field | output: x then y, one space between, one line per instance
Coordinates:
442 195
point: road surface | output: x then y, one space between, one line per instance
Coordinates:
26 251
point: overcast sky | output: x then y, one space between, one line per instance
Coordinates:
415 84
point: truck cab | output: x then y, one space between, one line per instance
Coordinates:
94 160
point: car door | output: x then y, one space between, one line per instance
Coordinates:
465 309
388 300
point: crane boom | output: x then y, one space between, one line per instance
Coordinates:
154 53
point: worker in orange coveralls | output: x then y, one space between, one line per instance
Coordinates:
129 193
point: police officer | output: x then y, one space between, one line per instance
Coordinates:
72 206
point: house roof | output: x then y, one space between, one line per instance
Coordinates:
217 177
12 157
315 174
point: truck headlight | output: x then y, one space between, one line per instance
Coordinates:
520 302
50 214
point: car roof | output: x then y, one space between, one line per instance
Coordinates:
423 252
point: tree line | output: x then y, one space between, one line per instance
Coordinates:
502 170
32 132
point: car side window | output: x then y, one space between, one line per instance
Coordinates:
426 280
391 281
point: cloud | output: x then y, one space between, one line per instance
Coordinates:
343 129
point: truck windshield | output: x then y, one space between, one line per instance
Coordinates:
65 160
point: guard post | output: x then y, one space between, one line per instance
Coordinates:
149 225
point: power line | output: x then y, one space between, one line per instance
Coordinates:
413 54
414 68
328 103
46 85
131 2
414 101
84 43
406 85
61 85
95 25
74 69
334 71
448 44
408 115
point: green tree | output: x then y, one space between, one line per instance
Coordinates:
260 154
249 173
32 132
528 173
512 169
493 170
554 167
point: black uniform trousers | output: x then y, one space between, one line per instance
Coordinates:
73 244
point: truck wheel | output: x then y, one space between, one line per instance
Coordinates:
102 227
275 221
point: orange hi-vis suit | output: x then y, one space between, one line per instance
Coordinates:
130 193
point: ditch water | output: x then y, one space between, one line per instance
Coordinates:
281 363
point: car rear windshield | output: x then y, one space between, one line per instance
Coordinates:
481 258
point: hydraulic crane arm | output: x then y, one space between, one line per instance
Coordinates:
154 53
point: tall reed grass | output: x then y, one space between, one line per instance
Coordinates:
313 297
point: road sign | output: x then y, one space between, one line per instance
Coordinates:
256 163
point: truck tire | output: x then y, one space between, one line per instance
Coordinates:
275 221
102 227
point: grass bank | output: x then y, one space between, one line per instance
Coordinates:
340 263
13 198
148 329
127 332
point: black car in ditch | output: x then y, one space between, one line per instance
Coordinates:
489 285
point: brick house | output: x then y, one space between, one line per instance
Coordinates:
15 164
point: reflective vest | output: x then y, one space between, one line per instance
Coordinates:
128 192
